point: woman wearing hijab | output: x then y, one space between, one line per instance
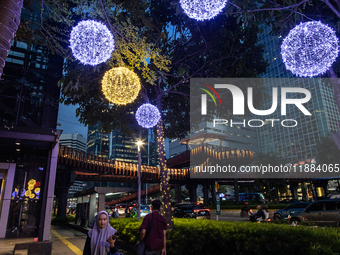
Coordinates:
99 240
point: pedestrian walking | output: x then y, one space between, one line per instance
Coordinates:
101 239
153 229
116 213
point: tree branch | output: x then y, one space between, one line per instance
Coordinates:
107 19
332 7
179 92
271 9
181 82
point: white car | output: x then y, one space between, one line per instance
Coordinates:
121 210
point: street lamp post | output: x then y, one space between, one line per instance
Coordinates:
139 143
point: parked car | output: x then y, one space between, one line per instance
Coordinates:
323 212
191 211
289 210
180 204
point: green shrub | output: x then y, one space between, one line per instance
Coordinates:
71 217
191 236
63 220
59 220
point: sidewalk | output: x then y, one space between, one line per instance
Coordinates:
7 245
66 241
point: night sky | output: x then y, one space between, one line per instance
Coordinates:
69 122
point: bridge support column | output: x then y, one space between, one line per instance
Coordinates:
92 209
205 194
192 187
62 201
63 183
178 191
101 202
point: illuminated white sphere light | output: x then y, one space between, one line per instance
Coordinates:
310 49
91 42
147 115
202 9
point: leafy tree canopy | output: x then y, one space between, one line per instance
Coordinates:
165 48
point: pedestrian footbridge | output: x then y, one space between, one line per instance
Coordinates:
89 167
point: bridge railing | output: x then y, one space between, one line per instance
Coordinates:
107 167
104 166
223 154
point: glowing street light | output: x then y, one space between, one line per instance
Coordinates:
139 144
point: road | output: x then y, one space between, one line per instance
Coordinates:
227 217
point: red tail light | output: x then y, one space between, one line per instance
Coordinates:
196 211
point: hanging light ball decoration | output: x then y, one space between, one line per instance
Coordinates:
310 49
91 42
120 85
147 115
202 10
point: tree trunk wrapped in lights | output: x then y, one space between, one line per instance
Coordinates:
10 11
164 176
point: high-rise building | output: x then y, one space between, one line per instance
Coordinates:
29 96
75 141
121 147
78 142
296 143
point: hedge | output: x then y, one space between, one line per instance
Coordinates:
63 220
191 236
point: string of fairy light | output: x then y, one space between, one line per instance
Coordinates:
120 85
164 177
310 49
147 115
91 42
202 10
8 40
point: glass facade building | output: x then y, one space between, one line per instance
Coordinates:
29 96
297 143
121 147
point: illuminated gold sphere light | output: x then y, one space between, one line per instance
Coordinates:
120 85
